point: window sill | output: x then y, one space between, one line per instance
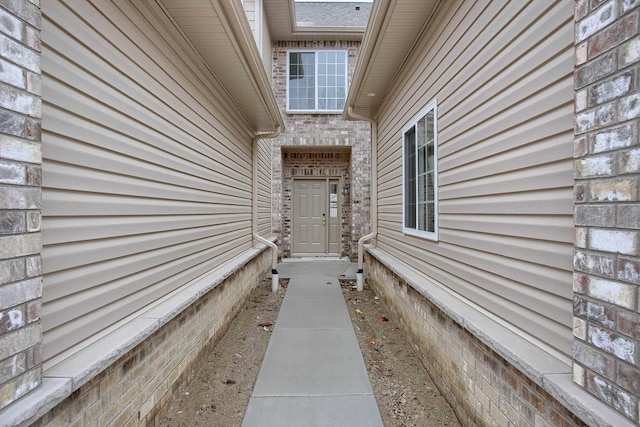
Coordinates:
313 112
421 234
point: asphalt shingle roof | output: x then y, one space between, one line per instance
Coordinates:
332 14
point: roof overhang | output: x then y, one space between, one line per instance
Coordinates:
394 27
283 25
220 34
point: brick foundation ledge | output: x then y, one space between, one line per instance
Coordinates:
490 374
127 375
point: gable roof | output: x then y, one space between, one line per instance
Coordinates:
220 34
394 26
291 20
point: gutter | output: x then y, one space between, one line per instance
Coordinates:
373 197
275 277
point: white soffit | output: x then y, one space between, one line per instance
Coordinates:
220 33
394 26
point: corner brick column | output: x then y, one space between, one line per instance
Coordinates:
20 199
606 348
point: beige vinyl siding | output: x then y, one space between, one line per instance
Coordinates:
502 75
250 9
258 22
264 187
266 49
146 169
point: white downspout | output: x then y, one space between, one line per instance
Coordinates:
374 196
275 277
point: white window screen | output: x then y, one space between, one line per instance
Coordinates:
420 175
316 81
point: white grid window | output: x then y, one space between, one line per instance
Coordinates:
420 182
316 81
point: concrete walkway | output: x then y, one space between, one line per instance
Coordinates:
313 373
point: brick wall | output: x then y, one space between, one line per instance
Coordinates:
137 389
606 346
318 165
20 199
481 386
324 130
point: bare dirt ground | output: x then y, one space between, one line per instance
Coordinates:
405 393
220 392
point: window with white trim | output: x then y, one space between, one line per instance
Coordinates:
420 174
316 81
